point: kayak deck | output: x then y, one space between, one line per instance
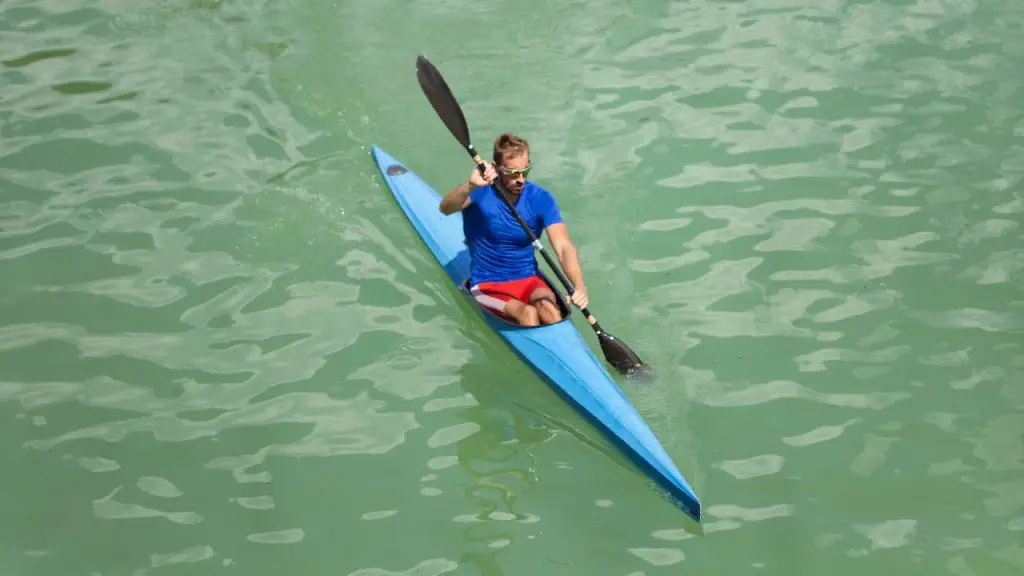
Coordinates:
556 352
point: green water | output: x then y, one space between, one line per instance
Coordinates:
224 351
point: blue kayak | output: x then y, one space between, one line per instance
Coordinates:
557 352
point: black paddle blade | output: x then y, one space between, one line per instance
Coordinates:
442 99
622 358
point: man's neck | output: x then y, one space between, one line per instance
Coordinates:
511 193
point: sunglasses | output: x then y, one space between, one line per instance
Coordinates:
516 173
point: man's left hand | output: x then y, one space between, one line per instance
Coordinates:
579 296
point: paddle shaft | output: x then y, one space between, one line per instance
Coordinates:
482 167
616 352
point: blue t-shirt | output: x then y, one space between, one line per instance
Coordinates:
499 248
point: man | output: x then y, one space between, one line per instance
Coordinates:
503 270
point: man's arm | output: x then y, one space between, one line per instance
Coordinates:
558 234
457 199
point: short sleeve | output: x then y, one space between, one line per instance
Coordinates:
476 194
546 208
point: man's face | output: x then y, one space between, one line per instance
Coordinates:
514 170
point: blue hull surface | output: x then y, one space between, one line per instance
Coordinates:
557 353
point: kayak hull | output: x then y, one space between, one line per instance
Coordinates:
557 353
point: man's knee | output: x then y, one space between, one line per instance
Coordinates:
547 311
547 307
530 316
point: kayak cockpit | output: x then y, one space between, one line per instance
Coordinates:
563 304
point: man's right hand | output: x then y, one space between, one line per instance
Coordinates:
476 180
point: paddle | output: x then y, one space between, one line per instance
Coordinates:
616 352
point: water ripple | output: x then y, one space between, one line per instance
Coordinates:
143 313
220 335
820 209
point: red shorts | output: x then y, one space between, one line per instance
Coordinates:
494 295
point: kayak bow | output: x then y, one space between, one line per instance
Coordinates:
556 352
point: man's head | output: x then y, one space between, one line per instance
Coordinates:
512 161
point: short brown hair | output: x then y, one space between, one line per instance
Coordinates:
508 145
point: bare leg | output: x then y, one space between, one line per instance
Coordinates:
543 299
521 313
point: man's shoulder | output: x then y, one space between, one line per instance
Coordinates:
539 191
479 194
